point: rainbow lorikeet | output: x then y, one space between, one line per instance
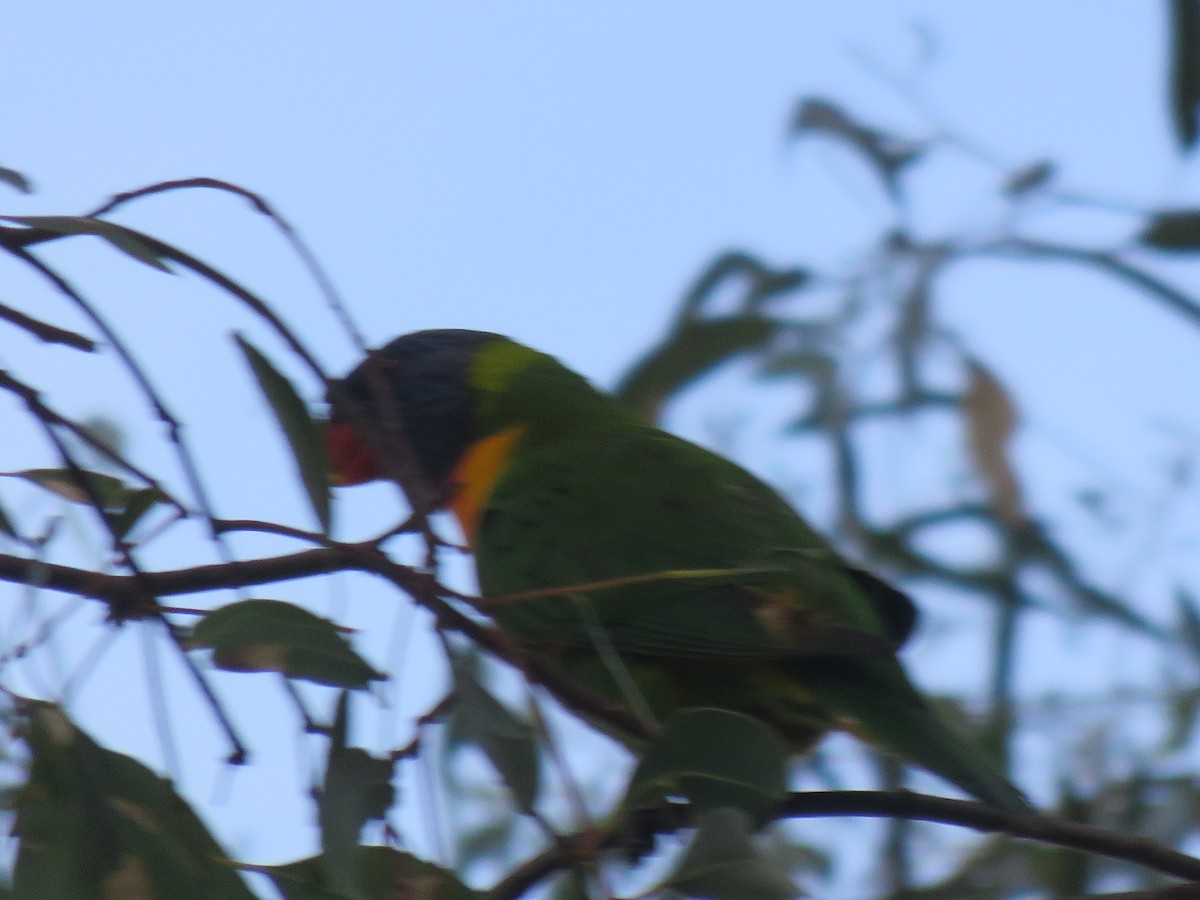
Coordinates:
685 580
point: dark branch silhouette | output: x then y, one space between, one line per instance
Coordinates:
872 804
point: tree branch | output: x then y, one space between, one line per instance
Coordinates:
875 804
425 590
1171 297
1171 892
109 588
985 818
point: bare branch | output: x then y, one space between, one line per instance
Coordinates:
260 204
40 410
337 557
985 818
631 834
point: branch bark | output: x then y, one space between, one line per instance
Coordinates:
880 804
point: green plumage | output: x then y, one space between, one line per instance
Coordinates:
738 589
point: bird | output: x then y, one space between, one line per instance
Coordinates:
640 566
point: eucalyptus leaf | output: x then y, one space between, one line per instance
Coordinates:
124 506
357 789
94 823
274 636
303 436
140 501
124 239
65 483
15 179
385 874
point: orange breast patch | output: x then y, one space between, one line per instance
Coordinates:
476 475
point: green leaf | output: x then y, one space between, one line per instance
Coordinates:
303 435
64 483
124 506
491 841
385 874
1175 230
124 239
357 789
696 347
569 886
15 179
722 863
139 502
508 742
94 823
274 636
714 758
1185 70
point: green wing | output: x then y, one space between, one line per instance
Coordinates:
711 590
669 550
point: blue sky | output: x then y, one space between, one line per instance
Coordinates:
558 173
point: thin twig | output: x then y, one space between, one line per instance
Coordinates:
158 703
187 462
174 427
227 526
307 257
35 404
1172 297
142 594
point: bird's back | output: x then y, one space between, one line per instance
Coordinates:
727 567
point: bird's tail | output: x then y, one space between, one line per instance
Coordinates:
891 713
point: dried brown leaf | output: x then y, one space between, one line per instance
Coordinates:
991 419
